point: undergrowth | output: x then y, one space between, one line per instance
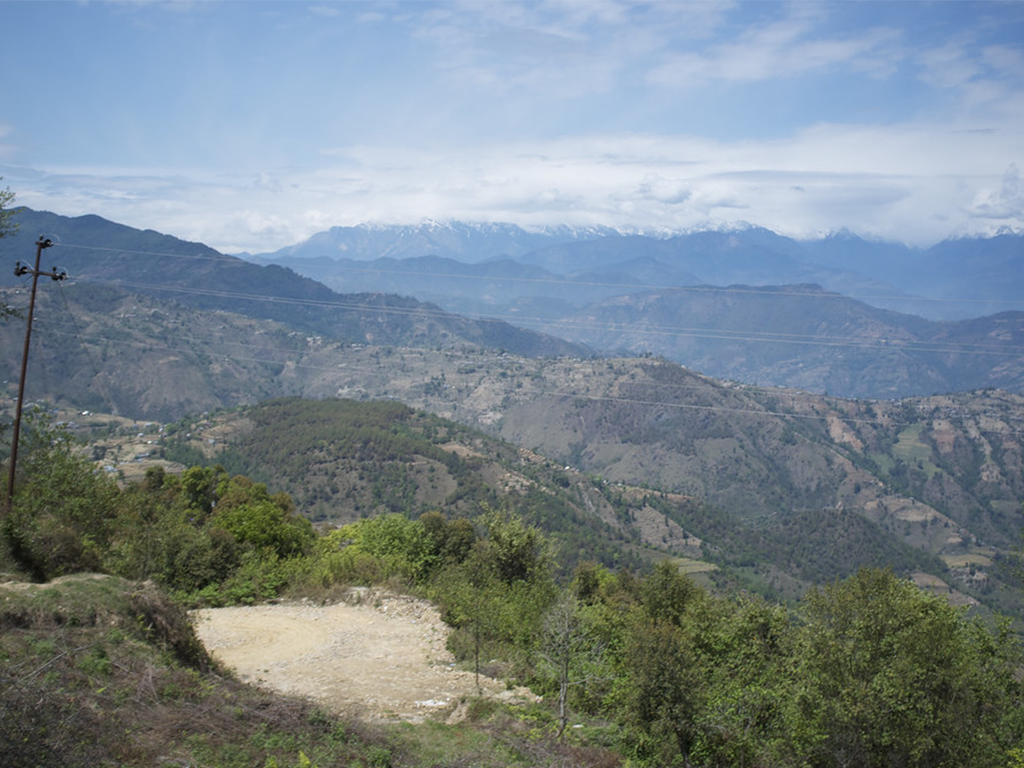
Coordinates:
99 671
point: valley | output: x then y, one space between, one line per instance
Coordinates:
778 488
772 489
280 449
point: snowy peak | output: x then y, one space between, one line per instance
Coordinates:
467 242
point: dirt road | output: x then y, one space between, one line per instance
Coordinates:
381 658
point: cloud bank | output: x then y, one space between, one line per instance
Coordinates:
253 127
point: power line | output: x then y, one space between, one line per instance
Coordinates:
556 280
163 254
92 362
533 323
19 271
511 390
725 334
542 324
561 280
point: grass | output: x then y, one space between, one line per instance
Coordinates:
910 448
102 671
964 561
690 566
495 735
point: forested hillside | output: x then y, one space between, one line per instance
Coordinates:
933 477
650 669
343 460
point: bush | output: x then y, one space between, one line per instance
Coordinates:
60 522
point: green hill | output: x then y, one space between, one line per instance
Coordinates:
935 477
344 460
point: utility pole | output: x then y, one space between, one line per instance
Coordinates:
19 270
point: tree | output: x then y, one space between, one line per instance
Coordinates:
198 486
402 546
517 550
156 536
450 540
661 686
745 657
888 675
661 673
255 518
60 521
8 226
569 650
470 596
667 594
499 592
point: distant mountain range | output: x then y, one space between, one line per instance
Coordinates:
583 293
92 249
467 242
747 305
955 279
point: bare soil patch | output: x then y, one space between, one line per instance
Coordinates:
379 657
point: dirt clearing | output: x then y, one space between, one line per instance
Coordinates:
378 657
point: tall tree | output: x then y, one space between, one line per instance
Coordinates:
892 676
662 679
471 596
60 520
569 650
8 226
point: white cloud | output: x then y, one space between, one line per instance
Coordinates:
949 66
982 81
909 182
570 47
1004 203
267 182
657 188
779 49
536 112
1004 60
7 149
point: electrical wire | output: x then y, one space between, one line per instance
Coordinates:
556 280
822 294
770 337
511 390
751 337
537 323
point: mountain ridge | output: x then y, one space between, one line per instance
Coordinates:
94 249
887 274
775 334
768 470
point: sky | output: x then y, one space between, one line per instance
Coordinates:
250 126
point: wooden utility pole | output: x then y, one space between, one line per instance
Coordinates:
19 270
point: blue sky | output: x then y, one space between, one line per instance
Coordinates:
252 125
